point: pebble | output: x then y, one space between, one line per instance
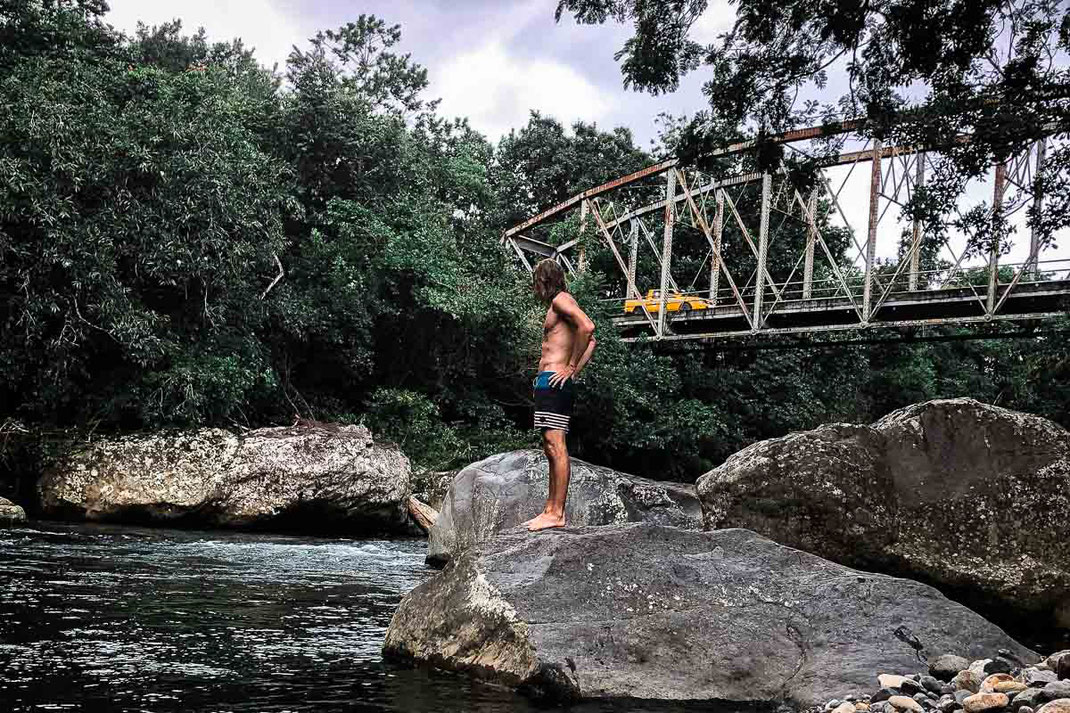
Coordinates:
947 704
1052 661
985 702
998 665
924 700
911 687
902 703
1054 691
1009 687
1025 709
861 706
989 684
1059 705
967 680
962 694
1030 697
845 707
1035 677
931 684
945 667
883 695
890 680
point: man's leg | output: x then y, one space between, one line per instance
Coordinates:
556 449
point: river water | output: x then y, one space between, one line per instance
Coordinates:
102 618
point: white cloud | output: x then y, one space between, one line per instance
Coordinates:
259 23
717 19
496 91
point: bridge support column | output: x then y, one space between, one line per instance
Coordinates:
581 260
666 248
915 236
1038 203
871 238
763 252
715 260
633 256
811 238
998 189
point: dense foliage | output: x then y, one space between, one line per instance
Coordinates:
187 238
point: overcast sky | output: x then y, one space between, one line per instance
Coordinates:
490 60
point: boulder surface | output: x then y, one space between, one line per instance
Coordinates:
502 491
971 497
310 478
653 612
10 513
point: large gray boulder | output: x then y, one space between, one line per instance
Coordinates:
502 491
313 478
972 497
11 514
653 612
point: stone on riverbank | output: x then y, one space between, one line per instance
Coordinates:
502 491
973 497
648 611
311 478
11 514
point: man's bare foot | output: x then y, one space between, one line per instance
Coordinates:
546 521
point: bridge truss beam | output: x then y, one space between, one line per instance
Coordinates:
819 293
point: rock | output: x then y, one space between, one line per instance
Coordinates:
931 684
962 694
861 706
988 685
911 687
883 694
832 704
946 704
925 701
11 514
998 665
1054 691
967 680
318 478
1009 687
985 702
1060 705
1059 662
845 707
972 497
1025 709
1031 697
654 612
903 703
1034 676
890 680
505 490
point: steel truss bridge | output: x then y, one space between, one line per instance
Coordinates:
738 222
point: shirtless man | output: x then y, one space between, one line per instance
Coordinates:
567 344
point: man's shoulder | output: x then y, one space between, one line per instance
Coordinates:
563 299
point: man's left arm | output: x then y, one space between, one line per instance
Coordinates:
569 310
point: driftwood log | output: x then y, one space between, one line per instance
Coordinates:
422 513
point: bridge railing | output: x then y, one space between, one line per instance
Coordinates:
767 254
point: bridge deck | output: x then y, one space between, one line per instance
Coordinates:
1040 300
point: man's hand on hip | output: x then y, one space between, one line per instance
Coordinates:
560 377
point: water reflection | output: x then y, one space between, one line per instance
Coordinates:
109 618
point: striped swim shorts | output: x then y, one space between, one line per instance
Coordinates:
553 404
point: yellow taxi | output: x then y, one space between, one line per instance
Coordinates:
674 302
